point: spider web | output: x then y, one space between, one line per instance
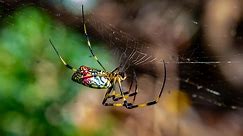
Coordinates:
198 72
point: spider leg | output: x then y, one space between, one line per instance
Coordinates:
136 86
107 96
131 106
113 94
114 70
125 103
88 41
127 94
116 97
120 96
60 57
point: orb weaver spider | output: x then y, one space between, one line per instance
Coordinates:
102 79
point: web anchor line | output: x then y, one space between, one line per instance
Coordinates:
211 91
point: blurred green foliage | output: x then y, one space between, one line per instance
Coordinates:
34 85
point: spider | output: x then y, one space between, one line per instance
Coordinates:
102 79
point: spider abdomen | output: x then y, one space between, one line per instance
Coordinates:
98 82
91 77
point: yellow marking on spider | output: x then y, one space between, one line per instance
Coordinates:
67 65
73 69
117 95
89 43
126 96
85 28
117 104
62 60
95 57
142 105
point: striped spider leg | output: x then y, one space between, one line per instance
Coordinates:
132 105
117 96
